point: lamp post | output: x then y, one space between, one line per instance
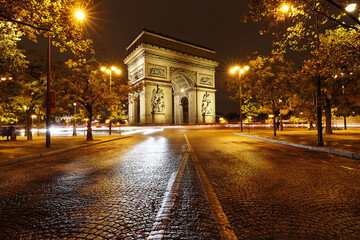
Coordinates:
319 101
109 71
80 16
241 71
74 130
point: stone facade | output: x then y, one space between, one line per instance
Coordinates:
178 81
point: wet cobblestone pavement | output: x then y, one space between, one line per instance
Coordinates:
115 190
191 218
269 191
105 194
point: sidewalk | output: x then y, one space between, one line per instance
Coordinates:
21 148
342 140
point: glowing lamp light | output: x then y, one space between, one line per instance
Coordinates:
285 8
271 115
103 69
246 68
79 15
108 71
113 68
351 7
236 68
117 71
242 71
182 90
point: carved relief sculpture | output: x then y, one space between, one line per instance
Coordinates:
137 74
205 79
157 71
206 104
157 100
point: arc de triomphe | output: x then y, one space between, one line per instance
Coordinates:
178 80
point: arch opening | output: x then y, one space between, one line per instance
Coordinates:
185 110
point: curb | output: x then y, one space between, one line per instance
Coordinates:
327 150
13 161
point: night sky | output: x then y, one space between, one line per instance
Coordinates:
114 24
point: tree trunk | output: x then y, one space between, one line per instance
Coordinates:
328 129
109 127
274 123
89 136
310 125
28 125
345 127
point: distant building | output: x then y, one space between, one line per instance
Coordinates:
66 119
178 81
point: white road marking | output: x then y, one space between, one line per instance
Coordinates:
163 216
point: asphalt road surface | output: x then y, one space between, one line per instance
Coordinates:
121 189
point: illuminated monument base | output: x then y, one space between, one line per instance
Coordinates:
178 80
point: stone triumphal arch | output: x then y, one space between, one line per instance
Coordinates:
177 78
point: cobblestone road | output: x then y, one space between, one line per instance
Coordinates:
271 191
114 190
110 191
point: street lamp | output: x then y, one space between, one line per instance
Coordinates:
285 8
80 15
241 71
109 71
74 130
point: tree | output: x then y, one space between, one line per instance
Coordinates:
268 81
251 108
12 60
306 19
84 83
301 99
300 15
118 92
55 19
42 17
338 57
26 99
